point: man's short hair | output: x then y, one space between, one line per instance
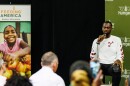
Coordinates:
108 22
48 58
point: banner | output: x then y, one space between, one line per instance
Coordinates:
15 25
118 12
15 13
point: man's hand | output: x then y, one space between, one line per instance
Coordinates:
100 38
126 82
118 62
98 80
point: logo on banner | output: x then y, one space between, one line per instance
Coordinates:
15 13
10 12
124 10
125 41
113 25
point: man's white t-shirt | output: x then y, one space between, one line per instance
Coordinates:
46 77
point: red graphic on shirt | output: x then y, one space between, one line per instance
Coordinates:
109 43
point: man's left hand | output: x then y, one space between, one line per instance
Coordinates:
118 62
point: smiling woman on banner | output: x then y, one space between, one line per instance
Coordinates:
15 52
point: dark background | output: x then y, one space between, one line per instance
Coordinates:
66 27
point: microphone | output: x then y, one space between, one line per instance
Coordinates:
100 38
105 35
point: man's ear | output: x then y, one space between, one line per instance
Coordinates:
54 67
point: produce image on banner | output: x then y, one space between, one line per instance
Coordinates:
15 39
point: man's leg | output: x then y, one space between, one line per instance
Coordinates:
116 78
106 70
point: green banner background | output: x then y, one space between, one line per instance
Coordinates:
118 12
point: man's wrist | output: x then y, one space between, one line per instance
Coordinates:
97 42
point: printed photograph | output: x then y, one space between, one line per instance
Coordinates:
15 39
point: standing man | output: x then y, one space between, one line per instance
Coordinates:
108 50
46 76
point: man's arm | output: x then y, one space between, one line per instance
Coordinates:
93 54
120 54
